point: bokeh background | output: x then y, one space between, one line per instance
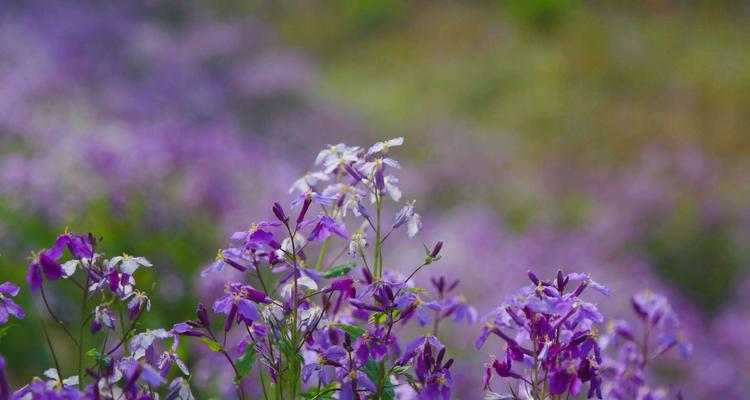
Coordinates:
609 137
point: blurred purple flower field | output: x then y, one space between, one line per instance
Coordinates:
165 127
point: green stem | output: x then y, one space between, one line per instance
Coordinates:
322 254
377 263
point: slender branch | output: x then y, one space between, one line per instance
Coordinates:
54 317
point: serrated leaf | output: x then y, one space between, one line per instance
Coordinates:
353 331
339 270
245 363
212 345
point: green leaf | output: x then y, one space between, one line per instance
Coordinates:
400 369
4 331
245 362
353 331
339 270
212 345
372 370
321 393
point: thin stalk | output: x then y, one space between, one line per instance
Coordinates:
81 330
319 264
52 352
376 261
54 317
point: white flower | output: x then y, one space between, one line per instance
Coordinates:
308 181
129 264
304 282
390 183
54 379
359 240
385 146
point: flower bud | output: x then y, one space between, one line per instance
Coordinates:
303 211
278 211
202 315
436 250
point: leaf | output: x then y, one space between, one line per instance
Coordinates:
353 331
321 393
339 270
245 362
371 369
400 369
4 331
212 345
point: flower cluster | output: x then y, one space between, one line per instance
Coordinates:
120 362
635 349
317 326
295 320
553 348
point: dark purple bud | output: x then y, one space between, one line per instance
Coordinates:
436 250
579 289
230 318
389 293
255 295
560 281
367 274
356 175
533 278
514 316
184 329
453 285
362 210
638 309
440 356
202 315
278 211
305 207
448 364
235 264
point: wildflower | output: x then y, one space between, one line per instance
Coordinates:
102 317
407 216
233 257
129 264
358 241
257 235
309 182
383 147
375 170
238 303
324 227
7 305
56 382
138 302
317 361
45 261
179 389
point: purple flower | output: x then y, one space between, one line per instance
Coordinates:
239 302
407 216
102 317
45 261
7 305
324 227
257 236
